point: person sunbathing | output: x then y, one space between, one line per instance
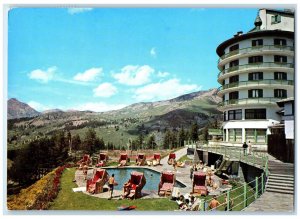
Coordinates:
126 188
210 181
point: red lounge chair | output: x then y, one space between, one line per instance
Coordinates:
140 159
85 160
95 185
157 157
166 184
137 181
123 160
199 183
102 160
172 157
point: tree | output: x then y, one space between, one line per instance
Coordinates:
151 141
167 140
181 137
194 132
89 141
76 142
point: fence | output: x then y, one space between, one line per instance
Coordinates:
241 196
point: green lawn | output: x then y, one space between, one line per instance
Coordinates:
69 200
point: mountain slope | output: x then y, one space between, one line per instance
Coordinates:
17 109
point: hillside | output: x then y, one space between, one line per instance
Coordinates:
17 109
120 125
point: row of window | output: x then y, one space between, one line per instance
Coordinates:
259 59
252 135
257 93
249 114
255 76
260 42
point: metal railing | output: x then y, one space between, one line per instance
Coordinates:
243 195
256 48
244 101
258 82
256 66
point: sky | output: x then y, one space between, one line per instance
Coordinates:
103 59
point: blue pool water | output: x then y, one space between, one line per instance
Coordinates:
122 175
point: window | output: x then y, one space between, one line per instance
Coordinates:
281 59
275 19
234 79
250 135
279 42
234 63
224 116
280 76
254 76
280 93
256 135
258 42
255 113
255 93
234 95
231 135
234 47
235 114
255 59
238 135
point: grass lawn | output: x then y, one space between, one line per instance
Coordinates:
69 200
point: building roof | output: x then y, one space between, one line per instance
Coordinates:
280 103
284 11
237 38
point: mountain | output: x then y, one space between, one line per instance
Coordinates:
17 109
118 126
52 111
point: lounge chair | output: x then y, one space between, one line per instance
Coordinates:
95 185
137 182
166 184
123 160
140 159
199 183
86 160
156 159
102 160
172 157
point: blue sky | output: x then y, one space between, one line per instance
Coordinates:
102 59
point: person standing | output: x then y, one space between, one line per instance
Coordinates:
111 183
250 147
245 146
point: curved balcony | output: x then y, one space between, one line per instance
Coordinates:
272 49
248 101
258 83
255 67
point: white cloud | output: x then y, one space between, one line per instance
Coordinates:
88 75
99 106
78 10
38 106
153 52
134 75
105 90
164 90
163 74
42 75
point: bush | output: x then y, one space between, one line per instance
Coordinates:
39 195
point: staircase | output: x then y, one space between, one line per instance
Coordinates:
281 177
280 183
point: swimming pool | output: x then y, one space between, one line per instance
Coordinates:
122 175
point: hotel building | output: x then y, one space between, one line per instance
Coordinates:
256 71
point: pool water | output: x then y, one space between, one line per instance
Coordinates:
122 175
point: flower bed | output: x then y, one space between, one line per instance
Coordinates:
40 194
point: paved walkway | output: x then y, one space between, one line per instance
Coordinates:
272 202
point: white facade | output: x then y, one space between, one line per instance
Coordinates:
256 71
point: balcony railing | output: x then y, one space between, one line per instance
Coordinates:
256 66
260 100
258 82
256 48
